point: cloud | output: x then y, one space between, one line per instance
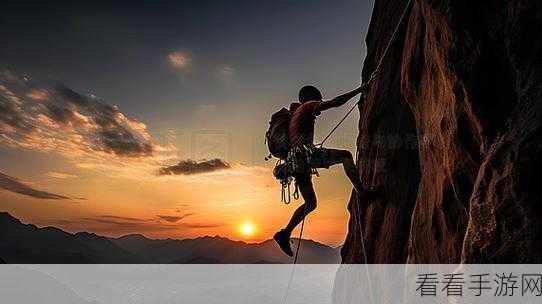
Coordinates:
123 218
178 59
200 225
189 167
82 128
37 94
120 222
123 225
103 126
226 71
173 218
12 184
11 116
60 175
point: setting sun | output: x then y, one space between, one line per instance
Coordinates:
247 229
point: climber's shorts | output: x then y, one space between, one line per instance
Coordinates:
320 158
315 158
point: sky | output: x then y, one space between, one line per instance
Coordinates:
149 116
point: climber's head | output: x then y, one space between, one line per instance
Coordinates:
309 93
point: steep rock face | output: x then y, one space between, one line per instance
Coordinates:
387 152
451 130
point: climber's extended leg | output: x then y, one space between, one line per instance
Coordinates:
309 196
332 157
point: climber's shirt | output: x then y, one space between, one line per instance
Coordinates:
302 123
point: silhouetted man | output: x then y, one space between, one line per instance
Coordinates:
306 157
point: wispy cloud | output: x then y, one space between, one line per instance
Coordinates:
178 59
60 175
122 225
173 218
201 225
226 71
12 184
123 218
82 128
190 167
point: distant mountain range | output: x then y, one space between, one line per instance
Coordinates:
26 243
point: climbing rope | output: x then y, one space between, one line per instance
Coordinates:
295 261
373 74
366 84
358 212
338 124
364 251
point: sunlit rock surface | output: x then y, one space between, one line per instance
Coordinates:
452 129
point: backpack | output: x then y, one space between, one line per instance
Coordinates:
277 136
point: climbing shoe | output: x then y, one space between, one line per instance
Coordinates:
283 240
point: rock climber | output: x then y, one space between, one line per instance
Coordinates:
306 157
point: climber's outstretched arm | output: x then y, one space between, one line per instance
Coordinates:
341 99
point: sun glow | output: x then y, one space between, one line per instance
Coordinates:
247 229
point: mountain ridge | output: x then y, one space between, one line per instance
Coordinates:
27 243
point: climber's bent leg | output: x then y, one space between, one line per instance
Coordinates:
345 158
309 196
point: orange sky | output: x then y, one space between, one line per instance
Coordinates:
181 206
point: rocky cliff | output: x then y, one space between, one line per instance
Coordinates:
451 129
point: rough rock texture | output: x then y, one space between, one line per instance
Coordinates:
452 129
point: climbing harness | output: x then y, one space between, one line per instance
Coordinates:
366 84
283 172
298 161
286 195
